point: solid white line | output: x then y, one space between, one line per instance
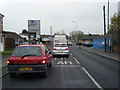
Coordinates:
76 60
94 81
4 74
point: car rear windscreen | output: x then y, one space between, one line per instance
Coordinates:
60 45
28 51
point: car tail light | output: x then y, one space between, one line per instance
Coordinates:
54 48
43 61
8 62
66 48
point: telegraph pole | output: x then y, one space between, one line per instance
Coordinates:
108 28
51 30
104 27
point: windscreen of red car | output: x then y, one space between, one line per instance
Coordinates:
28 51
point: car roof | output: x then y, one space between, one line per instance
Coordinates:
33 45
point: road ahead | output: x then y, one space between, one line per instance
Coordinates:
80 70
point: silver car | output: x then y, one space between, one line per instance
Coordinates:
60 49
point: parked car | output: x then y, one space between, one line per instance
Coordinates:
29 59
60 49
88 43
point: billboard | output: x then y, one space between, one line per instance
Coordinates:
34 27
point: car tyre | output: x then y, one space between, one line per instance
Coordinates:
50 65
45 73
12 75
67 56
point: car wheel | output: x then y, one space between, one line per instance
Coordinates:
50 65
67 56
12 75
45 73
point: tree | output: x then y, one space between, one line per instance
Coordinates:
115 24
76 35
24 31
115 31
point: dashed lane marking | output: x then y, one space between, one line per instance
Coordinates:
76 60
71 54
94 81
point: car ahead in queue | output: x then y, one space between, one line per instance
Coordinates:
69 43
60 49
30 59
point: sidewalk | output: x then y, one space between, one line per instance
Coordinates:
101 53
3 64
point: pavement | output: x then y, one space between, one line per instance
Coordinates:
3 64
110 55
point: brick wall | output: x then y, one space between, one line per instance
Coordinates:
9 43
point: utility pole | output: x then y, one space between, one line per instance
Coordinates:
104 27
51 30
108 28
75 24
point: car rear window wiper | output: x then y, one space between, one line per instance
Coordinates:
28 55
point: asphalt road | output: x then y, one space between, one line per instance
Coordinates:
80 70
104 70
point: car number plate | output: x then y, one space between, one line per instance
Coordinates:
60 52
26 69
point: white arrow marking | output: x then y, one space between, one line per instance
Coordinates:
69 62
65 62
60 62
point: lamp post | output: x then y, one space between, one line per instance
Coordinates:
51 30
76 24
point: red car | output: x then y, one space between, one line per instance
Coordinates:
29 59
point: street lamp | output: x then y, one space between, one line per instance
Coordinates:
51 29
75 23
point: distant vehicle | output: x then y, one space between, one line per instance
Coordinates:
69 43
60 49
29 59
88 43
25 43
60 39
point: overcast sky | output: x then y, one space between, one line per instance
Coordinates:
56 13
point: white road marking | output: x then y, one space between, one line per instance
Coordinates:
55 58
69 62
4 74
66 66
71 54
60 62
65 62
94 81
76 60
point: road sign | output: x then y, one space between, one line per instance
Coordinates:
34 27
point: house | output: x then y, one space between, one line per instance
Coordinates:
11 39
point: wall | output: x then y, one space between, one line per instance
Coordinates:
9 43
1 43
99 44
